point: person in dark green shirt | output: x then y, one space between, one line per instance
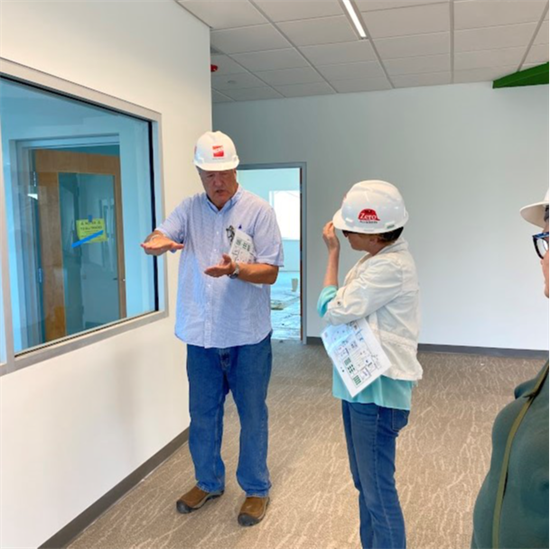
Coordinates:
511 509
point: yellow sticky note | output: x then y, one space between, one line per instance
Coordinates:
86 228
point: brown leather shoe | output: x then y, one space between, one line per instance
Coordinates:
253 511
195 499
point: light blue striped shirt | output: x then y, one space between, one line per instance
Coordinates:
222 312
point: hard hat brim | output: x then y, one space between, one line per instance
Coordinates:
340 223
534 213
216 166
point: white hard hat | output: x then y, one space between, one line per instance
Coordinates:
534 213
215 152
371 207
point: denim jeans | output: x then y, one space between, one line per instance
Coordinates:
371 432
212 373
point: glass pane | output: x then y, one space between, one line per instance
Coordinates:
2 326
90 260
72 170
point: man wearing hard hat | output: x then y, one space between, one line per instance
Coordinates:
383 288
223 314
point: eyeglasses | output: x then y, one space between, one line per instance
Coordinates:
541 244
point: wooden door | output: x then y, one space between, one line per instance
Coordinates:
50 166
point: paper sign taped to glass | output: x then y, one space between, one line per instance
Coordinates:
86 228
356 354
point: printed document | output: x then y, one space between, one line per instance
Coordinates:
355 353
242 248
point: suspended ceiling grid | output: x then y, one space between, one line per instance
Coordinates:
268 49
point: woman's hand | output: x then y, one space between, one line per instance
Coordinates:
330 238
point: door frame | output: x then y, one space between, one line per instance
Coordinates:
302 166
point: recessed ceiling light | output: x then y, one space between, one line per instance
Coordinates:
354 16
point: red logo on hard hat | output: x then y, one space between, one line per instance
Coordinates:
218 151
368 216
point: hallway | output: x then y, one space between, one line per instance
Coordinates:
313 500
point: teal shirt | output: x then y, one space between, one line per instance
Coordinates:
384 391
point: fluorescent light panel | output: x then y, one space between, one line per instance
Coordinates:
355 18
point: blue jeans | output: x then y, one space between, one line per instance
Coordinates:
371 432
212 373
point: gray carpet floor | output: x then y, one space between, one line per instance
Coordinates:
442 458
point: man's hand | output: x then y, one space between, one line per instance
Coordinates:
157 244
330 238
225 267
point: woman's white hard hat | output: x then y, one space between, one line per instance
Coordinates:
534 213
215 152
371 207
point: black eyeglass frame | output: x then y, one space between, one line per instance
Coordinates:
536 238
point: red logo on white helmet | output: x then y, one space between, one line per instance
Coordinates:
217 151
368 216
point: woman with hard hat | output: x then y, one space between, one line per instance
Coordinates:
512 506
383 288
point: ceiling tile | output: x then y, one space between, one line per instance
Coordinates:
406 21
304 75
345 52
472 14
226 65
302 90
217 97
370 5
542 35
417 65
284 10
253 94
271 60
415 45
492 38
483 75
352 71
222 82
223 15
414 80
488 58
537 55
362 85
326 30
258 38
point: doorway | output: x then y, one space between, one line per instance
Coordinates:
282 186
81 248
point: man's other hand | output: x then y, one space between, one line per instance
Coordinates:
225 267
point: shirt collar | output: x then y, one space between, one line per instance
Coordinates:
229 204
399 244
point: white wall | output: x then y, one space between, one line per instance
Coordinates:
466 158
75 426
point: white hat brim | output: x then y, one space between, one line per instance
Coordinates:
534 213
217 166
338 221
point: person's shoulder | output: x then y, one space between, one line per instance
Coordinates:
192 201
255 201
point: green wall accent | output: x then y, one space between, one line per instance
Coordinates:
529 77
